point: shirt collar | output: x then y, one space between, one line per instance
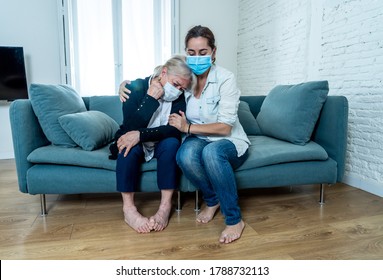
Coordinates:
211 78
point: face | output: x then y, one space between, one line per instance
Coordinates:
179 82
199 46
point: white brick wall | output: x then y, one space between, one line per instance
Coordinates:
284 42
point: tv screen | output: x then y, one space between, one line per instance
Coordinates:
13 81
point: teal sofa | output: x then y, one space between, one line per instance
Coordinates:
44 168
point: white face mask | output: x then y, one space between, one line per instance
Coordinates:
171 92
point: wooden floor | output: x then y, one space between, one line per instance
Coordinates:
281 223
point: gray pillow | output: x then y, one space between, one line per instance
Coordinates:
247 119
49 102
290 112
90 130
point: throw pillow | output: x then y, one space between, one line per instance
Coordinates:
49 102
290 112
90 130
247 119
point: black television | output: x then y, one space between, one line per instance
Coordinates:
13 80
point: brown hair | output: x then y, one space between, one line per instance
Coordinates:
201 31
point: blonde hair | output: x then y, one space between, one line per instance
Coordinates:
177 66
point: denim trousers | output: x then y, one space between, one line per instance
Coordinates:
210 166
128 169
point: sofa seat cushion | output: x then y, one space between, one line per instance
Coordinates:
78 157
266 150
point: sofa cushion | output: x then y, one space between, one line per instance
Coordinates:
266 150
78 157
290 112
110 105
49 102
90 130
247 119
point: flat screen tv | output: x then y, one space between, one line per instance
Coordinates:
13 81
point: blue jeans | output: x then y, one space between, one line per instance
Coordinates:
128 169
210 166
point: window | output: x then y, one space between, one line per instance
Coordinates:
107 41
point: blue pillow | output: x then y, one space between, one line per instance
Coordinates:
290 112
90 130
49 102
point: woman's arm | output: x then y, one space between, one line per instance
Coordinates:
179 121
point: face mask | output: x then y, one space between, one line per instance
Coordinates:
199 64
171 92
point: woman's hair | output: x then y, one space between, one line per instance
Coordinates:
201 31
176 66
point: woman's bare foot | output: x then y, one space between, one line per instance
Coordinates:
207 214
160 220
135 220
231 233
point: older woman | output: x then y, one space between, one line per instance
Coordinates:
145 133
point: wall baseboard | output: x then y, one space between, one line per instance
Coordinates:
370 186
6 155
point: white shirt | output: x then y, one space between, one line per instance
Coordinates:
219 103
160 117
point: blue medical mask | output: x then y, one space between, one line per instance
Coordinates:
199 64
171 92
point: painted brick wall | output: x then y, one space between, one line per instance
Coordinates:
284 42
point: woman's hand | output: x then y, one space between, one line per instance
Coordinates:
155 89
128 141
123 92
179 121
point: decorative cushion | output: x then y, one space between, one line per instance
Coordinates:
290 112
90 130
49 102
247 119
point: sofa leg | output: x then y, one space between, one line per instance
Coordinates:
178 209
196 207
43 205
321 193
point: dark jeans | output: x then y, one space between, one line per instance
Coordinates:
128 169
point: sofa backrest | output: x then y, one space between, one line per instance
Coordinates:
110 105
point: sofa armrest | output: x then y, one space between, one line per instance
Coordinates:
331 130
27 135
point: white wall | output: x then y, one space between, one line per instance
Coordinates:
221 16
281 42
34 26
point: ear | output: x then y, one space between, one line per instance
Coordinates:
213 54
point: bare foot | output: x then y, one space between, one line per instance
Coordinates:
160 220
207 214
231 233
135 220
